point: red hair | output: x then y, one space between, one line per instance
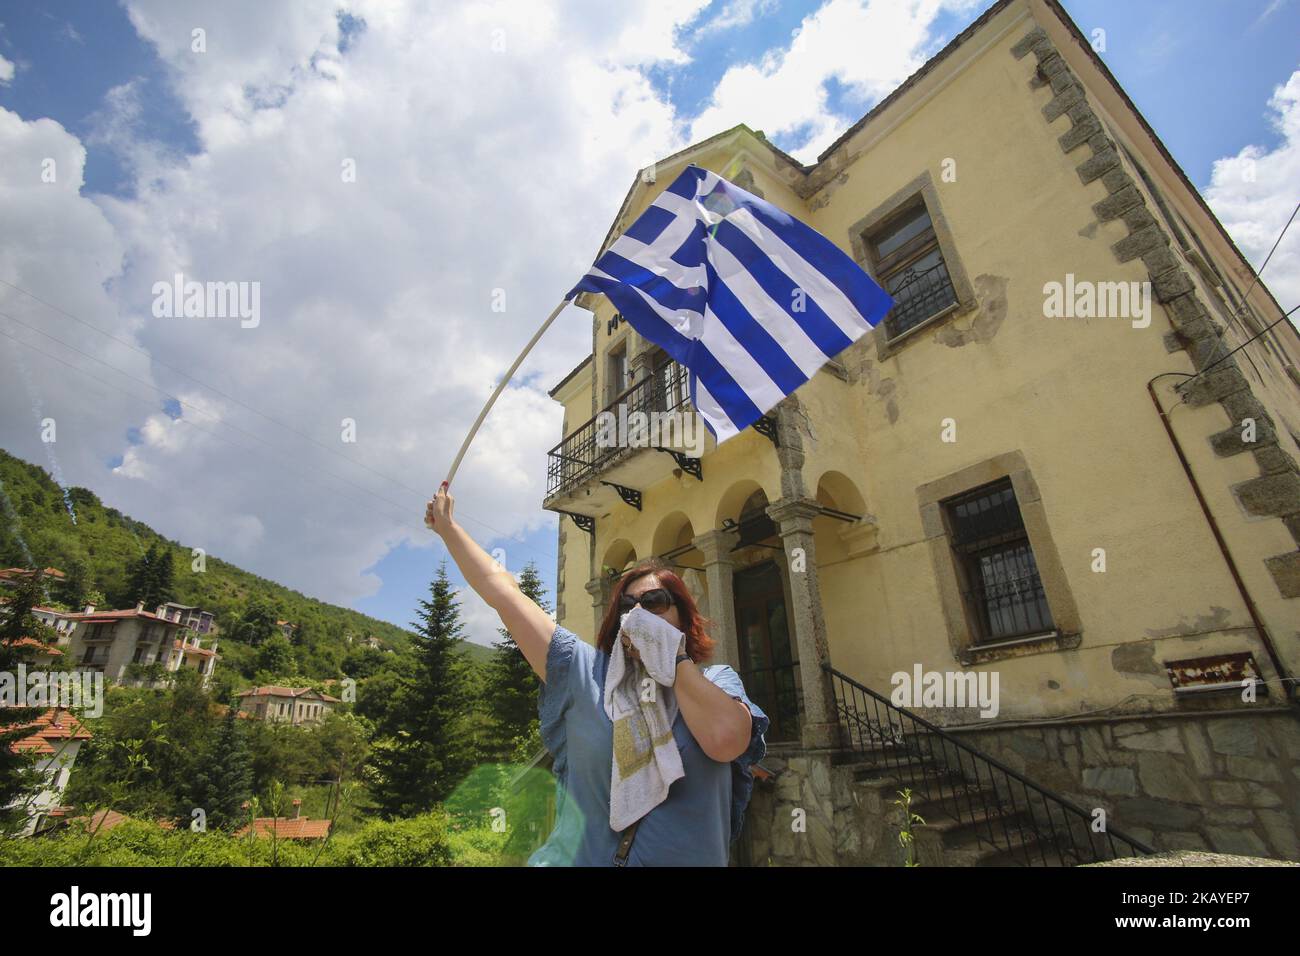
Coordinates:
698 643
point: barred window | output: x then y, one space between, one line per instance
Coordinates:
1002 587
911 267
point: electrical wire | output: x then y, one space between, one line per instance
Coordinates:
258 438
424 496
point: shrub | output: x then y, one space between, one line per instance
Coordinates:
418 841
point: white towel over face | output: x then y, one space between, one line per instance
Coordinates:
640 700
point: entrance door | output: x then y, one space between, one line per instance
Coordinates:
768 664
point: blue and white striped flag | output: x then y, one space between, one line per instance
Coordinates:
747 298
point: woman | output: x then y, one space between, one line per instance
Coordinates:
718 730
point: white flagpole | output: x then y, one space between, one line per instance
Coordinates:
500 386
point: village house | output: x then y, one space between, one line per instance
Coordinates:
41 655
113 641
61 621
196 619
12 577
1042 467
55 740
295 705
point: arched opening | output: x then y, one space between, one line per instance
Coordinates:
769 663
760 592
618 557
674 545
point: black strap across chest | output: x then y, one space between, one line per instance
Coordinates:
625 844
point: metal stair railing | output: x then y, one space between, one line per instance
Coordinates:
1025 822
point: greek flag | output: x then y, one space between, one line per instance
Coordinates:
748 299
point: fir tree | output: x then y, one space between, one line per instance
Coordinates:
78 584
423 755
224 779
141 577
511 685
164 579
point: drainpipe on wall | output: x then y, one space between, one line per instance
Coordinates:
1287 683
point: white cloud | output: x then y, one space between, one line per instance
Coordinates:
60 245
868 46
1254 193
6 70
479 165
735 13
492 145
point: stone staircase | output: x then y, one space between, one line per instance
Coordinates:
977 811
984 835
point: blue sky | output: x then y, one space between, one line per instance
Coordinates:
207 160
1189 65
65 77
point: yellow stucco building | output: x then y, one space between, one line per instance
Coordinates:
1019 473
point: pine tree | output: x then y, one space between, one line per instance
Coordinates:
164 579
141 577
78 584
422 754
224 780
511 685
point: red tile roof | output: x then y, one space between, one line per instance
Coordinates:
101 617
53 725
201 651
8 573
102 821
33 642
287 828
272 691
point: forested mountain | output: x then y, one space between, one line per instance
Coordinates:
114 560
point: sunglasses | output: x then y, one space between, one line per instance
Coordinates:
655 600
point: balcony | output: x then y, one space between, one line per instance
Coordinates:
588 475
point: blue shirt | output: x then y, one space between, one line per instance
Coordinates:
704 810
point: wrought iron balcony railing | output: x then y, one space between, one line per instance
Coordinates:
581 455
1025 823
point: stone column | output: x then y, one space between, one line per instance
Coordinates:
598 588
697 584
718 566
793 517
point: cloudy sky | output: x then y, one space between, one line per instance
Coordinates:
386 172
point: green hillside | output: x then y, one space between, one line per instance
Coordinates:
98 552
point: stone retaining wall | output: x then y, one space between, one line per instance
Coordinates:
1228 782
1221 781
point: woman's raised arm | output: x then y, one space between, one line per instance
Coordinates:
528 624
